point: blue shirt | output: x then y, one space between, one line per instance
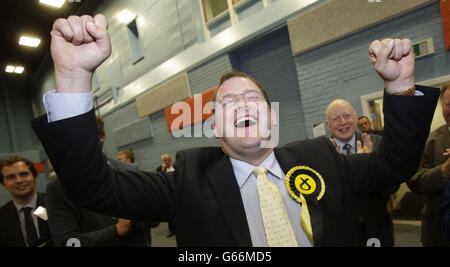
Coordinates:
352 142
249 193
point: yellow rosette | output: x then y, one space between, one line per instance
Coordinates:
303 183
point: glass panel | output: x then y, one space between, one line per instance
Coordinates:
212 8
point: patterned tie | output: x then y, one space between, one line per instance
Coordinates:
29 226
279 232
348 149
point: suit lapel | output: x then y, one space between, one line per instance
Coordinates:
224 182
43 226
15 224
287 161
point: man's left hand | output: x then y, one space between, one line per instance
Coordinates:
394 61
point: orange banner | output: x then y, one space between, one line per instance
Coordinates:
445 14
190 111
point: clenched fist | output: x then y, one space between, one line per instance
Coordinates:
79 45
394 61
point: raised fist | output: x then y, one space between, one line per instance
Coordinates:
394 61
79 45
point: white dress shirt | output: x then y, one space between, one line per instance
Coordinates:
21 215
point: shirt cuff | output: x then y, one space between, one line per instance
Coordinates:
61 106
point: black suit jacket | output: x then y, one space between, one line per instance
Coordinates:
202 195
376 222
92 229
10 232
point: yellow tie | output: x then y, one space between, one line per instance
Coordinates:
279 232
305 220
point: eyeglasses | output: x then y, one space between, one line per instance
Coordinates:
21 174
231 99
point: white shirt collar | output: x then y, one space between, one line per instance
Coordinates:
31 204
243 170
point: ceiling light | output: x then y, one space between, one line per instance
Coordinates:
19 69
14 69
29 41
53 3
9 69
125 16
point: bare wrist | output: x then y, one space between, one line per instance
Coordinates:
403 87
73 82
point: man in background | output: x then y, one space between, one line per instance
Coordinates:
72 225
167 166
19 226
126 156
375 220
365 126
431 180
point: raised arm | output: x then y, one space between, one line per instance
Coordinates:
78 46
394 61
407 122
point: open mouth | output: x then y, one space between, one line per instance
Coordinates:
244 122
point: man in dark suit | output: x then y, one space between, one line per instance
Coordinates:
72 225
213 194
431 180
167 166
19 226
375 220
365 126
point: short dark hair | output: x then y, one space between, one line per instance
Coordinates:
100 126
129 154
443 89
233 74
6 162
363 117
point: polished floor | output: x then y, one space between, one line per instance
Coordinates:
407 233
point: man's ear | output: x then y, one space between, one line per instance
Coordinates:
102 139
274 117
214 128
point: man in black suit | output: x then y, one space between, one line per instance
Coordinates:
212 196
375 220
167 166
19 226
72 225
